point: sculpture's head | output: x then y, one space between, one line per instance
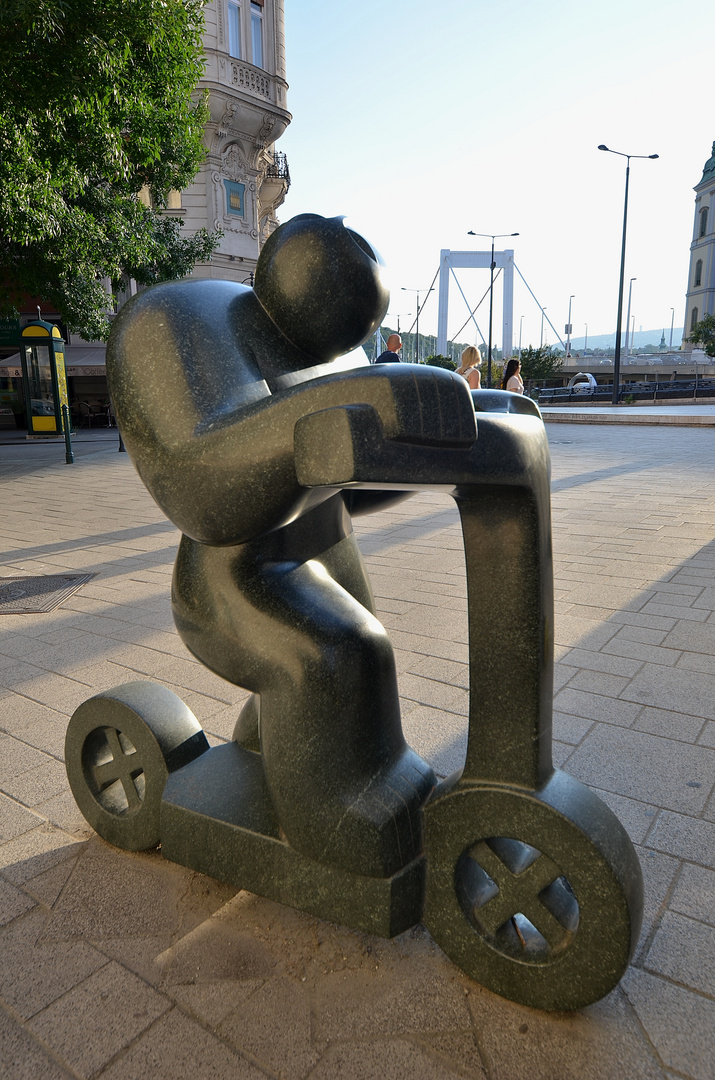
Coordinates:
322 285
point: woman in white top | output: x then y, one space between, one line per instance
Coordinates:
468 367
512 379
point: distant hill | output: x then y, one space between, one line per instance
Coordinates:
641 338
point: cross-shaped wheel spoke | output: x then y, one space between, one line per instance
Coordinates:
518 894
122 766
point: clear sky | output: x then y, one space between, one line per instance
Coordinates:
421 120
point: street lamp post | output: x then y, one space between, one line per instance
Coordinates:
585 340
672 320
491 297
628 314
521 320
568 328
617 355
541 339
417 321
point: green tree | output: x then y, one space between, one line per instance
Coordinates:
539 363
703 333
440 361
97 101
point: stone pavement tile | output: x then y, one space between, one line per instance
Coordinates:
684 836
211 1002
560 753
37 785
602 1042
56 691
434 693
659 872
684 950
571 729
98 1018
114 893
638 650
663 772
707 736
394 997
35 852
643 634
434 667
13 902
603 661
274 1026
400 1059
672 725
15 819
637 618
586 633
62 811
669 688
596 707
598 682
706 599
32 974
217 949
692 638
17 757
176 1047
22 1057
697 661
617 597
458 1049
439 737
670 610
562 674
636 816
679 1023
694 893
440 647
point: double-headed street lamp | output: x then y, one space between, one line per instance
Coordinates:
568 327
491 296
617 355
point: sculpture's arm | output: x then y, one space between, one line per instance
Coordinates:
230 476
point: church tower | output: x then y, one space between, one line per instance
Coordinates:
701 275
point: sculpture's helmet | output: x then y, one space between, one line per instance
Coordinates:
322 285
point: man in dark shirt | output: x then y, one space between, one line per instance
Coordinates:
391 353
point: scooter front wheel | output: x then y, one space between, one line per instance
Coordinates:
120 747
535 895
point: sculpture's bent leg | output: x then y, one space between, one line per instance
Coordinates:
346 787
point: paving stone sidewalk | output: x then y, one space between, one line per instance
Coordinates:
123 966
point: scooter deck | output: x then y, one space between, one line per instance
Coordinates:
217 818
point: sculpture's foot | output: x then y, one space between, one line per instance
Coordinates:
380 829
247 730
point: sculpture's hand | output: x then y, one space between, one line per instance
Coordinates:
429 405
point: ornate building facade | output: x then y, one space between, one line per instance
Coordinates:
244 179
701 274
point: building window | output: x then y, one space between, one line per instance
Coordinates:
693 319
234 29
698 272
235 198
257 34
703 221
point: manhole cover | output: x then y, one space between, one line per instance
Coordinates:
33 595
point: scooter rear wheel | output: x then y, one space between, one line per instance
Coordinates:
120 747
537 896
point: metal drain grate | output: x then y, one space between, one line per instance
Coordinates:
33 595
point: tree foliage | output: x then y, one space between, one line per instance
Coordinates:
539 363
703 333
96 102
437 360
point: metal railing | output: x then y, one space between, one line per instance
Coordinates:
681 389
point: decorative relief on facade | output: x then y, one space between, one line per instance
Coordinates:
230 116
263 136
247 78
